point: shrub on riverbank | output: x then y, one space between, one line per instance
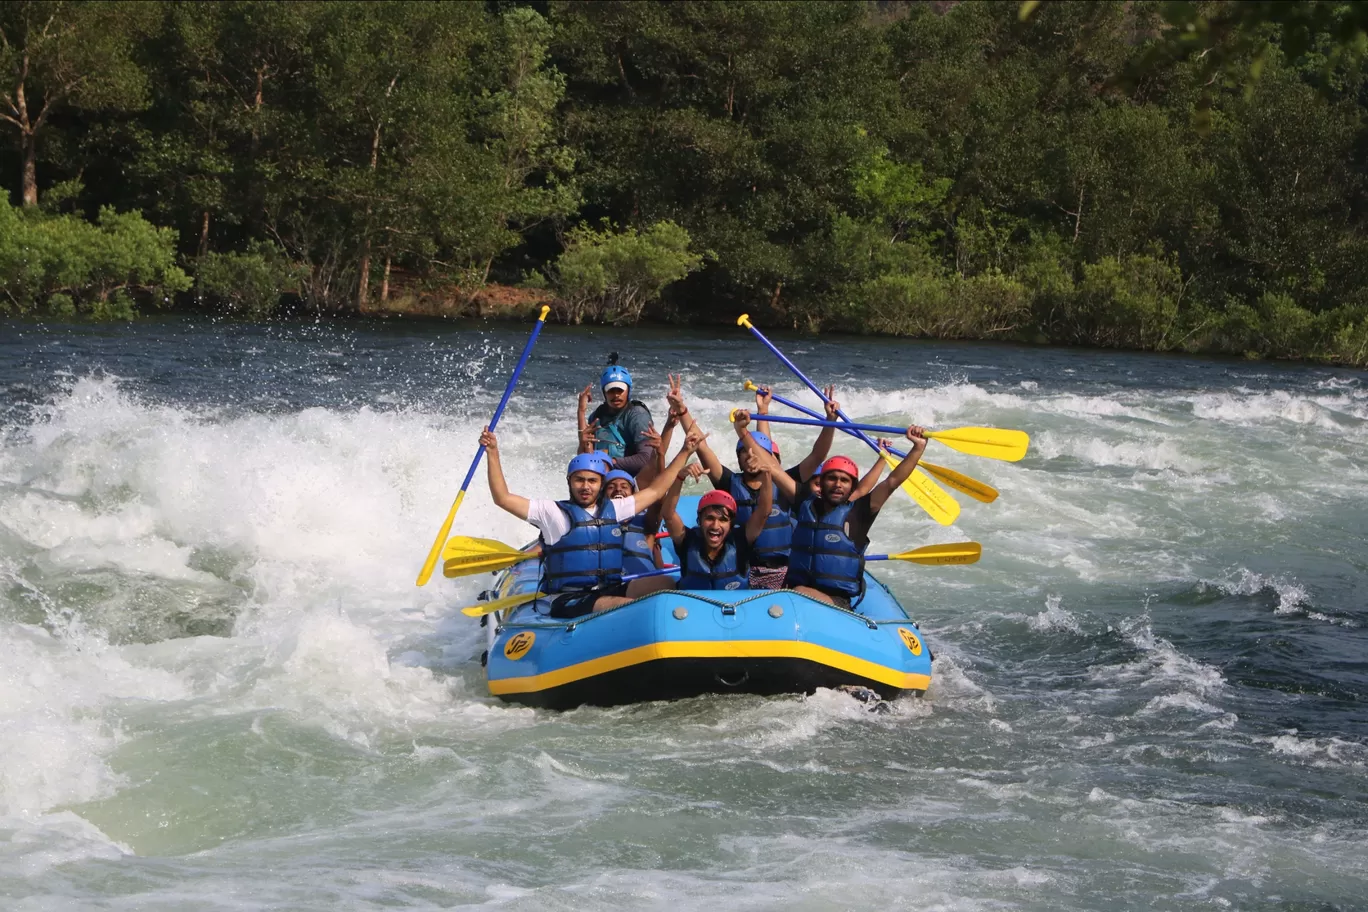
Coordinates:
64 265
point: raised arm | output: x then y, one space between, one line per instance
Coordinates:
705 453
764 502
763 397
588 437
871 478
822 446
658 488
787 486
669 512
585 395
498 488
884 489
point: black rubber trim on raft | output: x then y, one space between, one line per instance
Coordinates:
676 679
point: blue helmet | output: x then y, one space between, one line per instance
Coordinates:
764 442
615 374
588 462
618 473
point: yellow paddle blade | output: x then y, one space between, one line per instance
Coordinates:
939 505
976 489
465 546
465 556
990 443
431 561
508 601
957 553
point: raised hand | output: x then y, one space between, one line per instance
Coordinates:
675 396
588 436
694 471
763 398
833 408
917 434
585 396
651 437
740 419
489 441
694 441
884 443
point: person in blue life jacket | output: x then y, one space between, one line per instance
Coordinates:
640 547
581 536
769 552
715 553
618 426
832 529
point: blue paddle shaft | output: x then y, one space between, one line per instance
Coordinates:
818 415
810 385
660 572
847 424
508 393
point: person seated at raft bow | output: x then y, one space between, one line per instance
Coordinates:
581 537
770 552
618 425
713 555
640 547
832 532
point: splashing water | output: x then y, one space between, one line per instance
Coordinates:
219 687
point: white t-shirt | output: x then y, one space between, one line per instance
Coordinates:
554 524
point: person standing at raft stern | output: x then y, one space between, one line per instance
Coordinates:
618 425
581 537
713 555
827 559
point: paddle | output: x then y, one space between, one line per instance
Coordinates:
928 495
956 553
976 489
508 601
931 555
465 556
428 565
660 571
991 443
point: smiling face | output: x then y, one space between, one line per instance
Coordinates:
715 524
585 487
616 398
618 487
836 487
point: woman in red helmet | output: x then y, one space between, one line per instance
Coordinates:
714 554
832 530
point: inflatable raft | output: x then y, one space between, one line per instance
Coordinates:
675 644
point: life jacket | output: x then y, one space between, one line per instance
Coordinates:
637 554
823 556
727 572
771 547
589 555
609 437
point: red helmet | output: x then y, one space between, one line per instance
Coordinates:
840 464
717 499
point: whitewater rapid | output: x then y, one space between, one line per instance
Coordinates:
219 687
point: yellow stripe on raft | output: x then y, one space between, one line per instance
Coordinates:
710 649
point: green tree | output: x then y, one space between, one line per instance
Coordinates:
59 55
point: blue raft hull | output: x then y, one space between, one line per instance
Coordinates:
675 644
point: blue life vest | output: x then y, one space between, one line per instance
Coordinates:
609 437
637 555
589 555
727 572
771 547
823 555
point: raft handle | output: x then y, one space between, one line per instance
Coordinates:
745 676
729 610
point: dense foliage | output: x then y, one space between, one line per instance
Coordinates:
1163 175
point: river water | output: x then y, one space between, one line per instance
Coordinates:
220 689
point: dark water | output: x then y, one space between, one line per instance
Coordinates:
220 689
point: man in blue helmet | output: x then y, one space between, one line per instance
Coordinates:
620 424
581 537
769 553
